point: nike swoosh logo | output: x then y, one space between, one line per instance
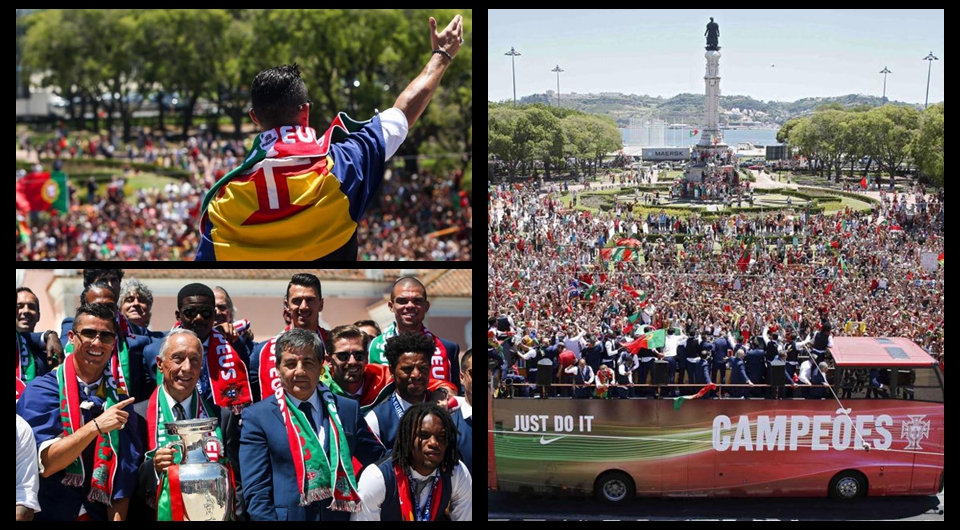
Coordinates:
544 441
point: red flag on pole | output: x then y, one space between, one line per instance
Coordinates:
863 183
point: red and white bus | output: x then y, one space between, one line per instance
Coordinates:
868 440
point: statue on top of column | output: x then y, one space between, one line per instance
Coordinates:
713 35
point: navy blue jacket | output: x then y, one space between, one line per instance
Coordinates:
40 407
390 509
269 477
755 361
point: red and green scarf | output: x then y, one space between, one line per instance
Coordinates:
268 375
408 504
317 477
105 457
122 368
378 346
376 386
169 500
229 382
26 368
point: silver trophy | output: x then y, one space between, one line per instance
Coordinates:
204 483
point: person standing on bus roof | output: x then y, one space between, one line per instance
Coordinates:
625 367
582 378
738 372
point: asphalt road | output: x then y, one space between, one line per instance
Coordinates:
511 507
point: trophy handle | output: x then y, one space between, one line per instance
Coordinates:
179 446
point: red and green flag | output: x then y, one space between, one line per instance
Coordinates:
678 402
940 259
43 192
23 232
591 293
654 339
619 254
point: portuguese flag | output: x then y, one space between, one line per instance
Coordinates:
43 191
940 259
678 402
619 254
654 339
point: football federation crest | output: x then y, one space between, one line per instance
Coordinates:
915 430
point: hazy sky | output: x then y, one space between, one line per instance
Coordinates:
780 55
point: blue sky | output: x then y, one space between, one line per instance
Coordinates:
780 55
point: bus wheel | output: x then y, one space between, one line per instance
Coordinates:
848 485
614 487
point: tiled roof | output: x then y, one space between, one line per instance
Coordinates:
451 282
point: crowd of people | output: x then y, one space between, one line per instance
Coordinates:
778 277
352 423
162 223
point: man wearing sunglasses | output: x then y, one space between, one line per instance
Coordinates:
126 357
350 375
88 458
224 378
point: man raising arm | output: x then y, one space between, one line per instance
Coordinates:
418 93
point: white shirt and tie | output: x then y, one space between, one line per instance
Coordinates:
314 403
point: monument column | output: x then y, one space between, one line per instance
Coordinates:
712 137
711 118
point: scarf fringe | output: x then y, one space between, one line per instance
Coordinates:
98 495
345 506
73 480
314 495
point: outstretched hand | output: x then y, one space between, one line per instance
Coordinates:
450 38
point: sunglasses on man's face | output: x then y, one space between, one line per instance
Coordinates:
192 313
106 337
344 356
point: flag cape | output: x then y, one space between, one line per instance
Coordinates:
296 196
41 192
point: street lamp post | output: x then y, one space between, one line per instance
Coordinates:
513 54
558 70
930 58
885 71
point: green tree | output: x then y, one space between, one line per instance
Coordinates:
893 129
927 148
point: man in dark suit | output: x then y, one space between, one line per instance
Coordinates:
78 416
44 346
180 358
463 417
303 418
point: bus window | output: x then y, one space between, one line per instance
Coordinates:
926 385
865 383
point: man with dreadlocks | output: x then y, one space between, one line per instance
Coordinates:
422 477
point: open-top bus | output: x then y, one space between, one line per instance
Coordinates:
873 440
